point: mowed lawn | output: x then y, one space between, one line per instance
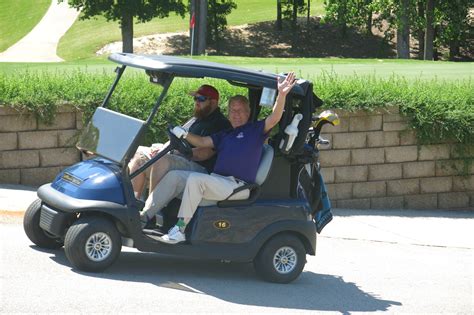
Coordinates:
86 37
309 68
18 17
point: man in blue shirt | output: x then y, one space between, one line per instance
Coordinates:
239 150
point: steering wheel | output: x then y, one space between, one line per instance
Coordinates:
181 145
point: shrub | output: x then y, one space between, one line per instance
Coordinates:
438 110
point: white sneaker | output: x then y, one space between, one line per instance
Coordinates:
174 236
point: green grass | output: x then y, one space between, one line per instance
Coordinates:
310 68
85 37
18 17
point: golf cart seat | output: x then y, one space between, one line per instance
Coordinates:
248 193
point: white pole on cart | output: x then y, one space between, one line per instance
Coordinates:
191 25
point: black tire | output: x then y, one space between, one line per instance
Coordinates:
92 230
281 271
35 233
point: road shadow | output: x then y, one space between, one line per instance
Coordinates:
238 283
313 39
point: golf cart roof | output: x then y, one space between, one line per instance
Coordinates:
187 67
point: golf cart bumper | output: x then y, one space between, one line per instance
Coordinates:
60 210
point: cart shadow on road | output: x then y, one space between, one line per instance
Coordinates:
238 283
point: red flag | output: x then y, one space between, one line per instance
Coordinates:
193 21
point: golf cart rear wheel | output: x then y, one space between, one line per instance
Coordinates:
92 244
31 225
281 259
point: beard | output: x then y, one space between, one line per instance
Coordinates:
202 112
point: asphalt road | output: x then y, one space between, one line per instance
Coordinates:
364 263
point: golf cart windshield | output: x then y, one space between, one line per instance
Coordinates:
110 134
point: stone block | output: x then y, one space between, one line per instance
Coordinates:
426 201
68 138
328 174
394 118
339 191
403 187
383 139
408 137
453 167
37 139
418 169
386 203
462 151
365 123
19 159
369 189
61 121
434 152
463 183
8 141
367 156
401 154
38 176
436 184
342 127
335 157
453 200
14 123
354 204
385 171
349 140
79 123
57 157
9 177
395 126
348 174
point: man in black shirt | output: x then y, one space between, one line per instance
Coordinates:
207 120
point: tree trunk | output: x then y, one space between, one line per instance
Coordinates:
309 12
278 23
421 31
295 15
202 27
403 32
126 25
368 21
453 49
429 30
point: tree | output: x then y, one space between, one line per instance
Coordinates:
216 20
429 30
403 29
125 11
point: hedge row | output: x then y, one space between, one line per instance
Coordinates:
439 110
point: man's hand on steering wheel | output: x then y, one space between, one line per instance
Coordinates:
177 137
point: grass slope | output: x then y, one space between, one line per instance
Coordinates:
309 68
18 17
85 37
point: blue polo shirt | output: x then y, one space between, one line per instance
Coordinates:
239 150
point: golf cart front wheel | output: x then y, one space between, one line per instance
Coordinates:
281 259
92 244
31 225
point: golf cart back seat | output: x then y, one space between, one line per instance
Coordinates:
248 193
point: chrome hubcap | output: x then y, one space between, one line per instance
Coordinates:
284 260
98 246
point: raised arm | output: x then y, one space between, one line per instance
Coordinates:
284 87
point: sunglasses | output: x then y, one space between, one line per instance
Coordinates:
200 98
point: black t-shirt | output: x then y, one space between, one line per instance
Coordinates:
207 126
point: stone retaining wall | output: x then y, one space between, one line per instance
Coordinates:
33 153
373 160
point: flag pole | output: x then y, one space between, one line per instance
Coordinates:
191 24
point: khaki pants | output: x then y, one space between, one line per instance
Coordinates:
210 187
193 187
